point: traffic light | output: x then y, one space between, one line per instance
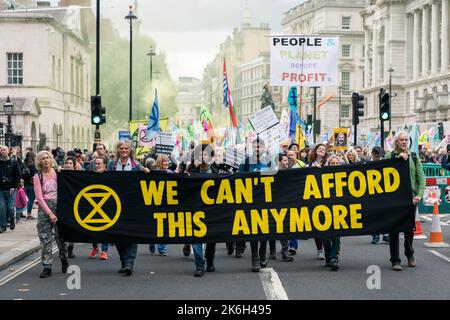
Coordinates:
309 123
357 107
385 107
441 130
97 111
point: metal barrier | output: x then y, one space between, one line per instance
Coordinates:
435 170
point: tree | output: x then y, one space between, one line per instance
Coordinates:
114 84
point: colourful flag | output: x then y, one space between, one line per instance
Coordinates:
423 139
227 101
153 128
324 101
292 100
414 138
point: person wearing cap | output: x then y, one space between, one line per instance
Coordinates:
377 155
417 177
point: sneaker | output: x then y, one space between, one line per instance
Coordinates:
386 239
320 255
64 265
122 270
255 268
411 262
334 266
103 256
287 258
163 254
93 253
263 263
230 248
22 216
47 272
199 273
71 255
187 250
210 269
292 251
128 271
12 224
238 255
375 241
396 267
152 248
272 255
2 230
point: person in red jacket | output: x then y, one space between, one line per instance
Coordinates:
20 204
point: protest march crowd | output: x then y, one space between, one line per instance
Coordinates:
34 177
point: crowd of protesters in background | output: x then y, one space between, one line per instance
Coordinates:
20 177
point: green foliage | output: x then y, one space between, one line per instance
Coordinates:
114 84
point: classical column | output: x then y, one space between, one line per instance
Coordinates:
434 37
425 41
444 37
366 59
374 56
416 42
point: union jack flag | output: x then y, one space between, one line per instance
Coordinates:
227 101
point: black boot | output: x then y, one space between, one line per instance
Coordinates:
70 252
64 265
47 272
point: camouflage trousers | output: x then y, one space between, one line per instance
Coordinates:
45 228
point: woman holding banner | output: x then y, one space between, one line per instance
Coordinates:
332 245
161 165
418 187
46 189
318 158
126 162
201 164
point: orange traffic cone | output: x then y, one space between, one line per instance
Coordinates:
436 238
418 234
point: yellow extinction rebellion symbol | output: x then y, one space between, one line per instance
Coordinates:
97 224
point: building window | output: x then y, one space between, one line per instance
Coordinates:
445 88
346 23
345 50
345 111
276 89
434 89
345 80
15 68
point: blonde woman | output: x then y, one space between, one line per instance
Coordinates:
46 189
125 162
352 157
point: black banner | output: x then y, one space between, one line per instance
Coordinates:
135 207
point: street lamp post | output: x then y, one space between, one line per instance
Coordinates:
339 88
130 17
390 70
9 109
151 54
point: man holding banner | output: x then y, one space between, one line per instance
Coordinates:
418 186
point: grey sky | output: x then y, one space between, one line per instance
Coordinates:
190 31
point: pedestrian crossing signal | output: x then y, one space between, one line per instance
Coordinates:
385 107
97 111
358 107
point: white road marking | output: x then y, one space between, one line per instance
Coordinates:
23 269
273 288
440 255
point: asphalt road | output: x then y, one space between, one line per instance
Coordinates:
171 277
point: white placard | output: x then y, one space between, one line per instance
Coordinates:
263 119
233 157
304 61
271 139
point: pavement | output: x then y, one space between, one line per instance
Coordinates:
19 243
171 277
